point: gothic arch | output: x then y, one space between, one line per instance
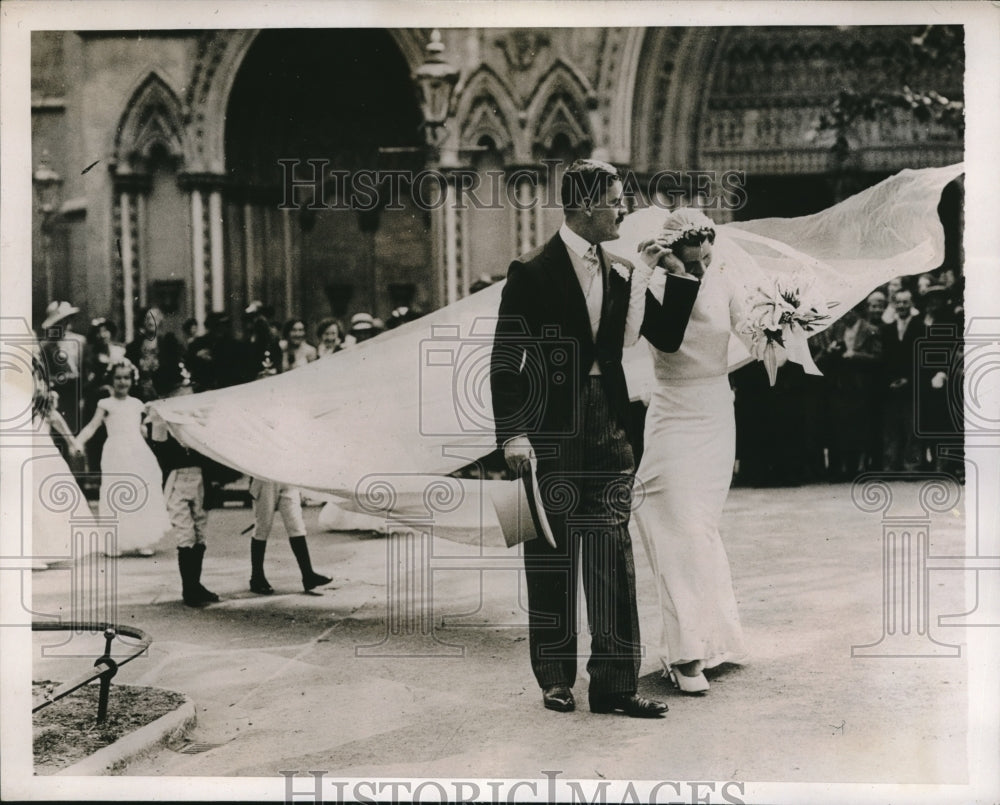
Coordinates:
220 55
152 117
619 69
561 103
680 65
486 108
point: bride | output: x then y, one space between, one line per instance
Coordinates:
830 258
684 476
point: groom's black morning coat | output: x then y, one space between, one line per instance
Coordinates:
540 375
544 347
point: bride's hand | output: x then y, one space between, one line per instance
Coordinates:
655 253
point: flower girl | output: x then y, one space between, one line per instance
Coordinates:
127 454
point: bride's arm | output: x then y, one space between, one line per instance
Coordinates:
668 301
641 274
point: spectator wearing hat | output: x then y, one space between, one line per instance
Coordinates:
101 351
875 307
63 350
402 315
362 328
256 310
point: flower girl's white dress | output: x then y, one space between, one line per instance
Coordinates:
126 453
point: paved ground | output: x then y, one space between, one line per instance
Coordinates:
316 681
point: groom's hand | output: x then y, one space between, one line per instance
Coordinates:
517 453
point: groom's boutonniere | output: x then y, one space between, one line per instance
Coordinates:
622 270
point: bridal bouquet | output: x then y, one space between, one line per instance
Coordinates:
784 315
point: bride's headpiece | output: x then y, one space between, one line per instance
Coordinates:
688 227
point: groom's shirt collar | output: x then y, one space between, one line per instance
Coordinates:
579 246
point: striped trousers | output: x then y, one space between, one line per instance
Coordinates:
586 490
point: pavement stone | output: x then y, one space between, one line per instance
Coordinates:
300 681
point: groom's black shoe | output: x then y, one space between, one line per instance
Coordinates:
558 698
629 703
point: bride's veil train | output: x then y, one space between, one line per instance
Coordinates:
415 402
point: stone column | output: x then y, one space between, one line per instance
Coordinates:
198 257
207 257
216 268
129 285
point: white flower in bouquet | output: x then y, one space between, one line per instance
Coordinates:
785 316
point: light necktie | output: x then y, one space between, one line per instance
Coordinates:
593 294
593 266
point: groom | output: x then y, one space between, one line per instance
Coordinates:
559 396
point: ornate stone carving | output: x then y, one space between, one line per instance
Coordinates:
486 107
521 46
558 106
773 84
153 116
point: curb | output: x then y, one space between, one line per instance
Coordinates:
116 756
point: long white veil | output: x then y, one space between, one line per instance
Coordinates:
416 401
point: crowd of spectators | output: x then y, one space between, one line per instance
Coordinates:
890 397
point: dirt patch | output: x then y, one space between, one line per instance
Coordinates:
65 732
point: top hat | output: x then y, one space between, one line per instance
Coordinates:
519 508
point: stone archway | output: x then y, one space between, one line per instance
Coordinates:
220 56
339 102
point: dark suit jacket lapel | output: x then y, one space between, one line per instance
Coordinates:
568 292
614 287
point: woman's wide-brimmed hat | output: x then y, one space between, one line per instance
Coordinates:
362 321
57 311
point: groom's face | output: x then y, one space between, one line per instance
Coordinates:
608 213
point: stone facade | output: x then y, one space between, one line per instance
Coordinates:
168 143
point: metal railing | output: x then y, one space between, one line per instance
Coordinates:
109 667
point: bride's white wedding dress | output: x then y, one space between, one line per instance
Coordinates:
683 480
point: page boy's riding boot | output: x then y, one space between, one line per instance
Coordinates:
310 578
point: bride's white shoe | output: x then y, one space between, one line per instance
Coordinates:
688 684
